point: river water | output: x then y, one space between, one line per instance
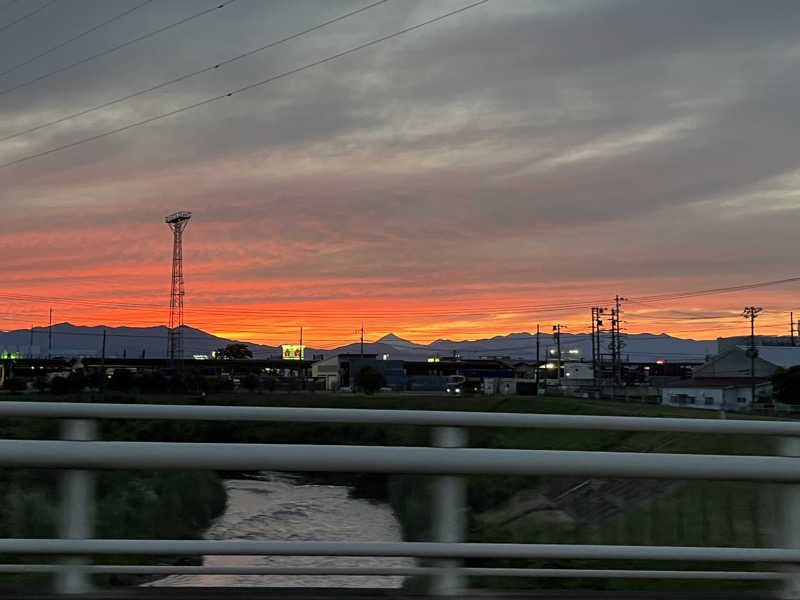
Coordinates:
278 507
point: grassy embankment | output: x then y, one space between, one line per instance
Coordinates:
501 508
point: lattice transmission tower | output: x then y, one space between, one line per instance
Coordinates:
177 223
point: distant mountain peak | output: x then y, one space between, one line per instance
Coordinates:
391 339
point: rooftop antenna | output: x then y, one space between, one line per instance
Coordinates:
177 223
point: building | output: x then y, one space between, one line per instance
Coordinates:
735 362
578 371
339 371
728 343
726 381
414 376
715 393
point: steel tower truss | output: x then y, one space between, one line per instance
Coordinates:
177 223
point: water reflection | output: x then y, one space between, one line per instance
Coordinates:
277 507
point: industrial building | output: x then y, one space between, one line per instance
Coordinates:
716 393
735 362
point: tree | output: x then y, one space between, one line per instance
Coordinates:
153 383
270 383
76 382
251 382
234 351
369 379
59 385
178 384
69 384
786 385
40 383
122 380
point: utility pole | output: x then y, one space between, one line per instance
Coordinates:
537 358
597 323
557 335
613 346
103 363
616 338
791 326
50 336
751 312
594 325
362 339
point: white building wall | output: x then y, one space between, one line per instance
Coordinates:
734 397
578 371
329 369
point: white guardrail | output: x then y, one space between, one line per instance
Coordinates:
78 453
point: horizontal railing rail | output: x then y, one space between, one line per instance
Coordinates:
392 459
400 571
438 418
397 549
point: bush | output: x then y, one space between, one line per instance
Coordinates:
786 383
76 382
122 380
16 384
40 383
153 383
369 379
59 385
96 379
178 384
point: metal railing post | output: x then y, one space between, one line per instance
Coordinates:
450 499
77 510
790 529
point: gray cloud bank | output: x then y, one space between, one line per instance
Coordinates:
660 136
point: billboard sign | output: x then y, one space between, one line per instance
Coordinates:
293 352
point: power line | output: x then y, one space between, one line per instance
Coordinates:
25 16
189 75
243 88
723 290
74 38
114 48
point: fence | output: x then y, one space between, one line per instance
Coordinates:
77 454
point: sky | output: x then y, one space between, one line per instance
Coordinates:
510 165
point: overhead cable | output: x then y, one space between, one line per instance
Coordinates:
723 290
26 15
243 88
75 37
113 49
186 76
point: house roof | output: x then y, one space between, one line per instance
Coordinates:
715 382
781 356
